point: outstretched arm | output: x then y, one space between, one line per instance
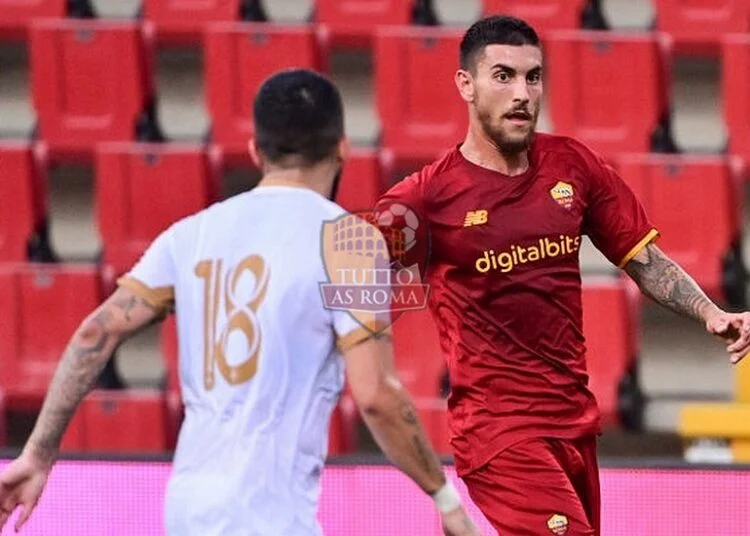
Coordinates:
665 282
390 415
121 316
92 346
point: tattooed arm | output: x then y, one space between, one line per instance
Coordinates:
389 413
93 344
23 481
664 281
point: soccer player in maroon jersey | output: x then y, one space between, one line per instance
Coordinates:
506 211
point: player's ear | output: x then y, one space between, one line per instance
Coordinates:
255 153
465 84
343 149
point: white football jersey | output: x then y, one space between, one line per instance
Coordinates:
259 361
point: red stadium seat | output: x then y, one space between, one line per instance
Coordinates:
238 58
183 21
342 438
91 83
22 199
543 15
598 94
696 26
352 23
421 113
419 359
433 412
735 77
610 325
169 352
16 16
40 308
126 421
143 188
695 203
421 367
363 181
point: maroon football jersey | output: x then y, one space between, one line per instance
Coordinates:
505 286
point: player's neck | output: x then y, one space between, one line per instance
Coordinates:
315 179
483 152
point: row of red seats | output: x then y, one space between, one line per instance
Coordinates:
41 306
348 22
81 101
141 189
695 25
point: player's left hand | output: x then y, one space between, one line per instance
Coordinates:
734 329
21 484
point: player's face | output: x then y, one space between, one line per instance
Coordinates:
507 94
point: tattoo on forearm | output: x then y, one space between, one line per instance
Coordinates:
84 359
666 283
407 413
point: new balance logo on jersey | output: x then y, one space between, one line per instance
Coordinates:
475 217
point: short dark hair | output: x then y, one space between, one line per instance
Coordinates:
299 118
495 30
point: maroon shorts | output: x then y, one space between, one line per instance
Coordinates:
540 487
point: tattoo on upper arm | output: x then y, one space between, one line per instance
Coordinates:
127 304
664 281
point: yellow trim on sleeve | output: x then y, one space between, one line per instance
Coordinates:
653 233
360 335
159 298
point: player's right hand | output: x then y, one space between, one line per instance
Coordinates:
21 484
458 523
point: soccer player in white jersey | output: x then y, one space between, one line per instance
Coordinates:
261 363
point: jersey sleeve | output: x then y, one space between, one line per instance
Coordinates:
615 220
153 277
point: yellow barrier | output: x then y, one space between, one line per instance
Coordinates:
727 420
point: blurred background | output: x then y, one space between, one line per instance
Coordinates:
118 117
